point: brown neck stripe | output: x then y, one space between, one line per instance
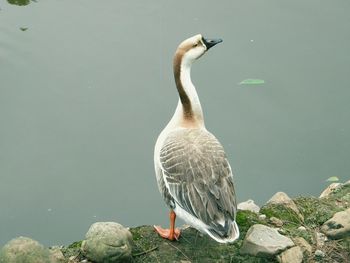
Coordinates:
185 100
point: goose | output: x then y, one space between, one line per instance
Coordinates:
193 174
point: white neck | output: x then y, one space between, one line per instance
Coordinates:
189 88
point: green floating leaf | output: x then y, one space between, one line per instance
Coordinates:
24 28
333 179
252 82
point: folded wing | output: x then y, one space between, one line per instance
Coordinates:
199 178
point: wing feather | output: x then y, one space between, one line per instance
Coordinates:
198 175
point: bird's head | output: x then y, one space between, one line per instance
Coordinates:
194 47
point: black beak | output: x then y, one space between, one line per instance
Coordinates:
211 42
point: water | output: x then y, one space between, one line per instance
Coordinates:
86 87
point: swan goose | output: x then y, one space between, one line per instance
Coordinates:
193 174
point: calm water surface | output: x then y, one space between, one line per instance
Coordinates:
86 87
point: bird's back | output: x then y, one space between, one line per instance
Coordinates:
196 174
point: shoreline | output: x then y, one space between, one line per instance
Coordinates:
302 229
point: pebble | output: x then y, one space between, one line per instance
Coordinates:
301 228
262 217
275 221
319 253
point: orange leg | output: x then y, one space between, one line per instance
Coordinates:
172 233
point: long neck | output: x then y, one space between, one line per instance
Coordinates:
189 111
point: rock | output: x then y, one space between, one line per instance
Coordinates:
303 244
281 231
249 205
301 228
281 198
73 259
320 239
56 255
24 249
262 217
319 254
107 242
338 226
275 221
330 189
264 241
292 255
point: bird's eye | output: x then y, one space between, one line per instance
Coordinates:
195 45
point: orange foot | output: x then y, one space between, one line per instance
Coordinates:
167 234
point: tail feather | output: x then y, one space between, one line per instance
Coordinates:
227 234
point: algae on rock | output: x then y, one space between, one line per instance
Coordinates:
24 249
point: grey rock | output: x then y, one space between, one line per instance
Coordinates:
281 198
24 249
249 205
338 226
56 255
303 244
281 231
301 228
107 242
275 221
262 217
264 241
319 254
330 189
292 255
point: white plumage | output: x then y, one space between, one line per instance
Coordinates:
193 173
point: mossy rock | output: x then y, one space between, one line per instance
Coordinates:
195 247
24 249
340 197
192 246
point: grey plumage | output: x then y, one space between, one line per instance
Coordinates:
194 174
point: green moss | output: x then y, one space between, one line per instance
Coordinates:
192 246
316 211
245 219
72 250
292 230
136 235
282 212
75 245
